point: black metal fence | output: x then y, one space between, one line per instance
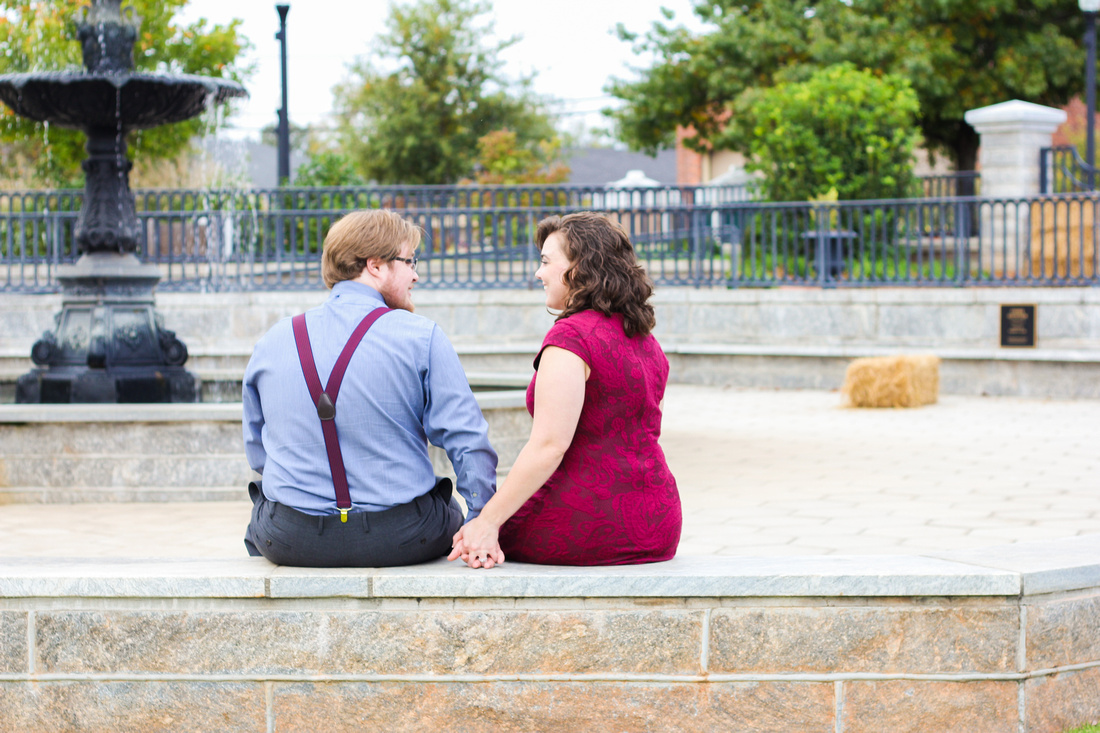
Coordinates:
1063 170
945 185
481 237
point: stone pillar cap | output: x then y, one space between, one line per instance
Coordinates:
1015 113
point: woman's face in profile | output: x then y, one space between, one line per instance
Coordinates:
550 272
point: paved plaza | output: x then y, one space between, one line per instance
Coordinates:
760 473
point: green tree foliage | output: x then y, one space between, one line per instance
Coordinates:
39 35
413 112
842 131
328 168
957 55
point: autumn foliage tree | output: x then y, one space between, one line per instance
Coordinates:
503 160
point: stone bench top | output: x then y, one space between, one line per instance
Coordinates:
1027 568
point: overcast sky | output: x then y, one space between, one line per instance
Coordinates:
570 44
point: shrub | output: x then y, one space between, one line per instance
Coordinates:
842 129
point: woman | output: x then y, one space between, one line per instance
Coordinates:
591 486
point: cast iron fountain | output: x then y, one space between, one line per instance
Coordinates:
108 345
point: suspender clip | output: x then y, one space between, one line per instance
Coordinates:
325 409
344 515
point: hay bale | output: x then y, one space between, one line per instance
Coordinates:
1063 238
893 381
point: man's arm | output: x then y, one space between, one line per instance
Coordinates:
253 420
453 421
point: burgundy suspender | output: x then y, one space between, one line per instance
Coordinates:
325 399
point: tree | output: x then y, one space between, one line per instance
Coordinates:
843 131
39 34
328 168
957 55
420 122
503 160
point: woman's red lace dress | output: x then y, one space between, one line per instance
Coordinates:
612 501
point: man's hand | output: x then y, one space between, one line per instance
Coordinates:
476 543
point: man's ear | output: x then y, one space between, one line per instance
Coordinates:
374 266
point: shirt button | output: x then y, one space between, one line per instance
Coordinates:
474 494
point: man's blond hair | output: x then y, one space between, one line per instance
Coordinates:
361 236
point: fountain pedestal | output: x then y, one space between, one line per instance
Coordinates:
107 221
109 345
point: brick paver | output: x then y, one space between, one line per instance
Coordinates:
760 473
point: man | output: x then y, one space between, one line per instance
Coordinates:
402 386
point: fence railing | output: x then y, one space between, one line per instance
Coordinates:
269 240
1063 170
960 241
947 185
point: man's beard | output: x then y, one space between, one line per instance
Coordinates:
401 299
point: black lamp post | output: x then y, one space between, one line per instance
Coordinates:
284 113
1090 9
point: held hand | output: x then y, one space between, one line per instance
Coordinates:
477 545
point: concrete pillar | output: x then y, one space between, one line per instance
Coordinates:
1012 133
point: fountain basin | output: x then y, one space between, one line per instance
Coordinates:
86 100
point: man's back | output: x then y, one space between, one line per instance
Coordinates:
403 385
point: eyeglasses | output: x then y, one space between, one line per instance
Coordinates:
410 261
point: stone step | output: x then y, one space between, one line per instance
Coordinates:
124 494
193 452
224 385
220 372
1064 373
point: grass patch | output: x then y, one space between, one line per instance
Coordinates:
763 265
1086 729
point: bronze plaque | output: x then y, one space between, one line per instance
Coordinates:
1017 325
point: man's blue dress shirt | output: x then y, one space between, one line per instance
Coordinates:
404 386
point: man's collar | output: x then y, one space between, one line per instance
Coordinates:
356 292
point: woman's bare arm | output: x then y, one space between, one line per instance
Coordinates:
559 397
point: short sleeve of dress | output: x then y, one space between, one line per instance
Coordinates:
568 336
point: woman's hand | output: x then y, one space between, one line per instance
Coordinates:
476 543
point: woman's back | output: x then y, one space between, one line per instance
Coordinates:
612 500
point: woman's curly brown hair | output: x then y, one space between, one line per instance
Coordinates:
603 273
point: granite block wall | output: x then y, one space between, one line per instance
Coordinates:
361 660
896 317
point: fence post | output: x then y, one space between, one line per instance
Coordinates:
697 242
1012 134
821 256
1045 177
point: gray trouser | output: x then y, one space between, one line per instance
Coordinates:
403 535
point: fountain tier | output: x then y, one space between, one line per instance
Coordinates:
114 101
